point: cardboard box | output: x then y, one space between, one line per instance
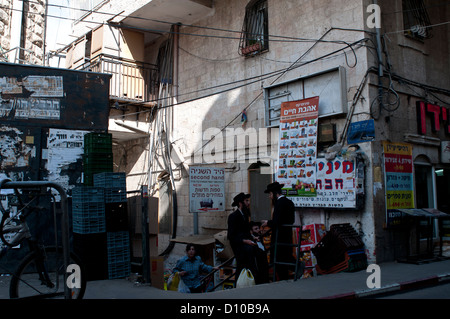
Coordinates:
136 242
136 245
135 214
223 247
153 244
157 271
153 222
308 257
313 233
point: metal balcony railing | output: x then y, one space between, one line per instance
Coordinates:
131 80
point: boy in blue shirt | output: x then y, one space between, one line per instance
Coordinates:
190 267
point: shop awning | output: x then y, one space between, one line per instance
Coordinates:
423 212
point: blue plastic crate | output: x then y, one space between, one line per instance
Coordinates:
115 195
119 270
88 217
118 248
110 180
88 225
88 194
88 210
118 256
117 240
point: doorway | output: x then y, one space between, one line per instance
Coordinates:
260 205
425 194
424 186
442 176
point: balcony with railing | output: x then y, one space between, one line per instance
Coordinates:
131 81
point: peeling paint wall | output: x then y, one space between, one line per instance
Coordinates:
14 152
64 157
44 115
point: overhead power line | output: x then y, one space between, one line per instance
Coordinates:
252 80
272 37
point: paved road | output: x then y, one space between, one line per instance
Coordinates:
435 292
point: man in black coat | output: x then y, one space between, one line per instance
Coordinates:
239 234
283 213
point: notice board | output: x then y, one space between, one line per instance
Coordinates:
206 189
399 181
336 185
298 147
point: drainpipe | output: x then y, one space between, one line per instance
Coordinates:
168 132
176 64
380 60
23 31
176 61
44 40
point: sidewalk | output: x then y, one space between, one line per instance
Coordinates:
394 277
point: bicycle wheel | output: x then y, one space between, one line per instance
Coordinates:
41 274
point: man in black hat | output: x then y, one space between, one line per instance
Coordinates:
283 213
239 234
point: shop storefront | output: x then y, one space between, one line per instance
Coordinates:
417 177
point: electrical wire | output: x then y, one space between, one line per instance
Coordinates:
293 66
409 10
426 27
253 80
205 27
273 37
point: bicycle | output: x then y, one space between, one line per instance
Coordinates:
42 273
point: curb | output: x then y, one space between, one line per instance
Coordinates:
397 287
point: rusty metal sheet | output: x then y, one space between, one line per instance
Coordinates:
52 97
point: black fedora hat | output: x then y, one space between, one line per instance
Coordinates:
275 186
239 198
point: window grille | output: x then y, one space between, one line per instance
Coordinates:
416 20
255 31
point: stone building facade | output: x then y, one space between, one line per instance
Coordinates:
215 102
22 31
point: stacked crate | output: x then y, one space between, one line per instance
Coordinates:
88 210
98 156
89 229
101 235
341 249
116 222
354 246
311 235
118 245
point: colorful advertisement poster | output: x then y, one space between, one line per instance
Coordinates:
399 181
336 185
298 147
206 189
